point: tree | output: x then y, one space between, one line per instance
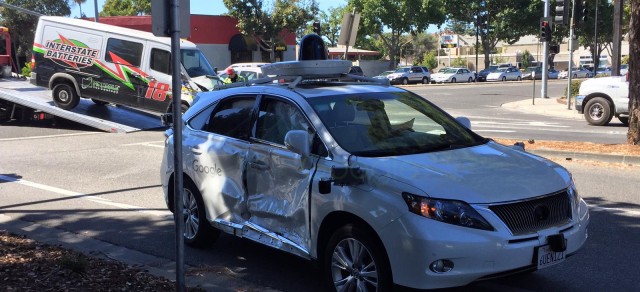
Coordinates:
126 8
633 135
526 59
330 24
22 25
79 2
497 20
430 60
267 22
388 20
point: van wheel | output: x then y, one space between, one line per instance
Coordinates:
65 97
197 230
354 260
597 112
99 102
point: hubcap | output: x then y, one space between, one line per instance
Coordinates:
63 96
597 111
190 212
353 267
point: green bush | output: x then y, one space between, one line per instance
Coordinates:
575 87
26 70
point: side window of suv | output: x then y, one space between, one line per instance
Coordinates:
231 118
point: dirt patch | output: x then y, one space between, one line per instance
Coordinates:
587 147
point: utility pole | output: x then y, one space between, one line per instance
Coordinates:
545 53
596 55
95 7
618 6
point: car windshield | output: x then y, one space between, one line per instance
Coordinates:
533 69
443 70
391 123
501 70
195 63
385 73
402 70
451 70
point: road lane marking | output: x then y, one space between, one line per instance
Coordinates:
150 144
91 198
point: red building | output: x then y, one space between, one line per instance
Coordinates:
218 38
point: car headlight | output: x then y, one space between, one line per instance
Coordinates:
573 192
447 211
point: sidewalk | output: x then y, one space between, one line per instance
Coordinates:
558 108
545 106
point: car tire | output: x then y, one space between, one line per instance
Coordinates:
425 80
575 76
197 230
405 81
504 78
370 270
518 78
470 79
453 80
65 97
624 121
99 102
588 75
597 112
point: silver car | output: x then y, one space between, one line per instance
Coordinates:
374 182
504 74
576 73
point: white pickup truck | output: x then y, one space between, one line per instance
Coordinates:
600 99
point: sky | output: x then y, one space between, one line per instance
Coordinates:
206 7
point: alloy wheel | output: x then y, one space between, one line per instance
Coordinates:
353 267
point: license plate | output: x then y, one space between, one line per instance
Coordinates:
547 257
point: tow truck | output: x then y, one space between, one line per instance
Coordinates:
19 100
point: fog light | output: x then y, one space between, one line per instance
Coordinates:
441 266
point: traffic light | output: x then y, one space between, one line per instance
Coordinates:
545 31
316 27
562 12
581 11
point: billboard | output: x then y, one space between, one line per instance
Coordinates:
448 41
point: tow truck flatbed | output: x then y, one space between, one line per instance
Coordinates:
109 118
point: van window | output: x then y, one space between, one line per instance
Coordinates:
126 50
161 61
195 63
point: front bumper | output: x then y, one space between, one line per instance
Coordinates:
476 254
579 101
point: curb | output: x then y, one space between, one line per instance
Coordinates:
157 266
624 159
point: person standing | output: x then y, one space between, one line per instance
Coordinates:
232 76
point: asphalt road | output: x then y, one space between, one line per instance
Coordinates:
106 186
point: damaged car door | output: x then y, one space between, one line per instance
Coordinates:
278 179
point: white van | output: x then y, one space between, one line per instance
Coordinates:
109 64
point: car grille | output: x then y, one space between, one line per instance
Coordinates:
527 217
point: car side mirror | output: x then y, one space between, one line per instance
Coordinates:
298 142
464 121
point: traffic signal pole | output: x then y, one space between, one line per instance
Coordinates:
545 53
569 73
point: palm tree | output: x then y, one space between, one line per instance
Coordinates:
79 2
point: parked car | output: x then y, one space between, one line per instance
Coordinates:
553 74
248 73
603 71
384 74
356 70
482 75
504 74
537 72
624 68
375 183
411 74
578 72
453 75
601 99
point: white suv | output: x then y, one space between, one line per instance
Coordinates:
411 74
374 182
